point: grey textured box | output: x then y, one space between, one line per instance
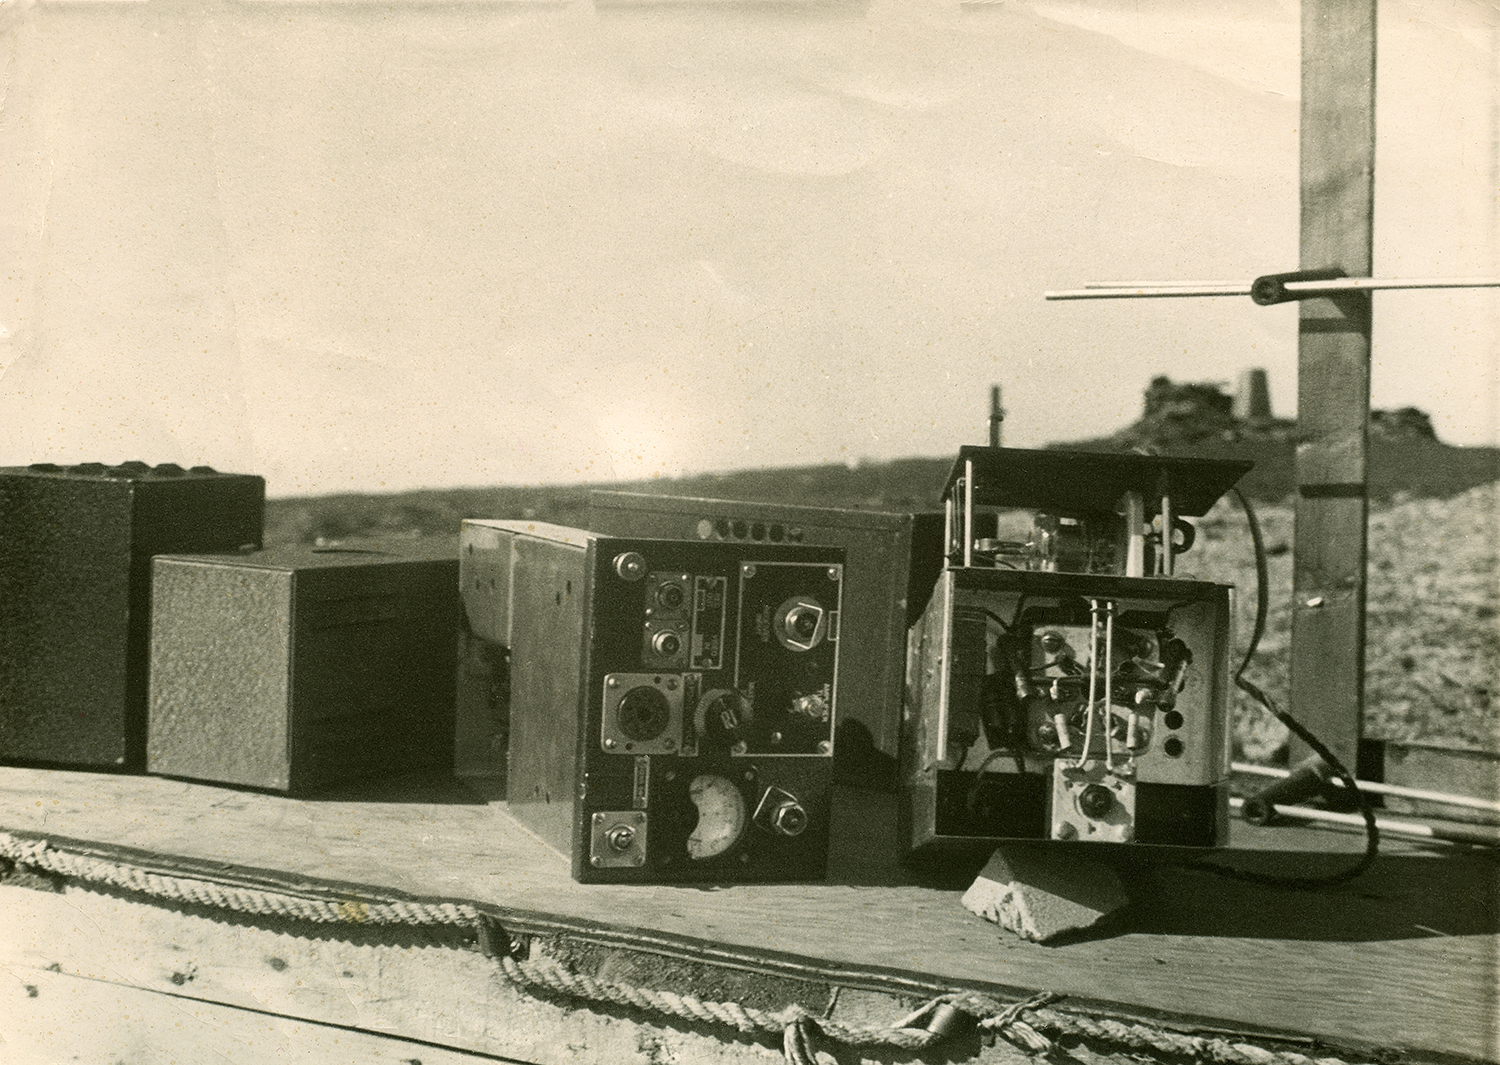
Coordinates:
301 667
75 576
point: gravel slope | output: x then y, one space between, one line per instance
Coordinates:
1432 661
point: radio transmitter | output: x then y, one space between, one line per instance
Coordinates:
891 563
1065 683
672 704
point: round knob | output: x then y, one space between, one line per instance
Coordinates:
802 623
1095 802
621 837
666 644
789 818
670 596
630 565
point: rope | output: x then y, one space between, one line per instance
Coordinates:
1021 1023
39 854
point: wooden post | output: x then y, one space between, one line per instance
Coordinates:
1333 374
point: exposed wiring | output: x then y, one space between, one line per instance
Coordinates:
1372 831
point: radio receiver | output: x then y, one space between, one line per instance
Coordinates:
1068 684
671 703
892 561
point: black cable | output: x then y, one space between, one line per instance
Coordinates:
1372 832
997 619
971 801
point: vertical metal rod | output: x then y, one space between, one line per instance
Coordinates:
1168 558
1135 540
1333 374
1109 673
1088 729
968 512
950 531
997 415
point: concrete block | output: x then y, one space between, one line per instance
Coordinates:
1038 893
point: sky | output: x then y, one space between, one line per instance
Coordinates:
372 246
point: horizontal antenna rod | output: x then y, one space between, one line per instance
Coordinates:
1111 291
1122 290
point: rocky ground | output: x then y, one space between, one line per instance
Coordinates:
1433 623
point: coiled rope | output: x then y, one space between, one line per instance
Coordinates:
1030 1024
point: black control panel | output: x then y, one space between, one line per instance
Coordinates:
703 714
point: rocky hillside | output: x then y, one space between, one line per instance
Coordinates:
1434 639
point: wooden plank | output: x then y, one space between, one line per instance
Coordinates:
407 995
51 1017
1332 964
1333 374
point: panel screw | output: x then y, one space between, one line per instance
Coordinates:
747 571
609 744
1315 601
824 746
833 573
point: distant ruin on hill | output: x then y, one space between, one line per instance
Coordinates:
1181 415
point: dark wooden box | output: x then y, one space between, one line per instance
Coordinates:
75 571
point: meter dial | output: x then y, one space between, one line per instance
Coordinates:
721 816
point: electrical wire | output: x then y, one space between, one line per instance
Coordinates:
1372 831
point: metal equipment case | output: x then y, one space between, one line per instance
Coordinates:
75 570
1071 685
891 563
671 704
300 667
